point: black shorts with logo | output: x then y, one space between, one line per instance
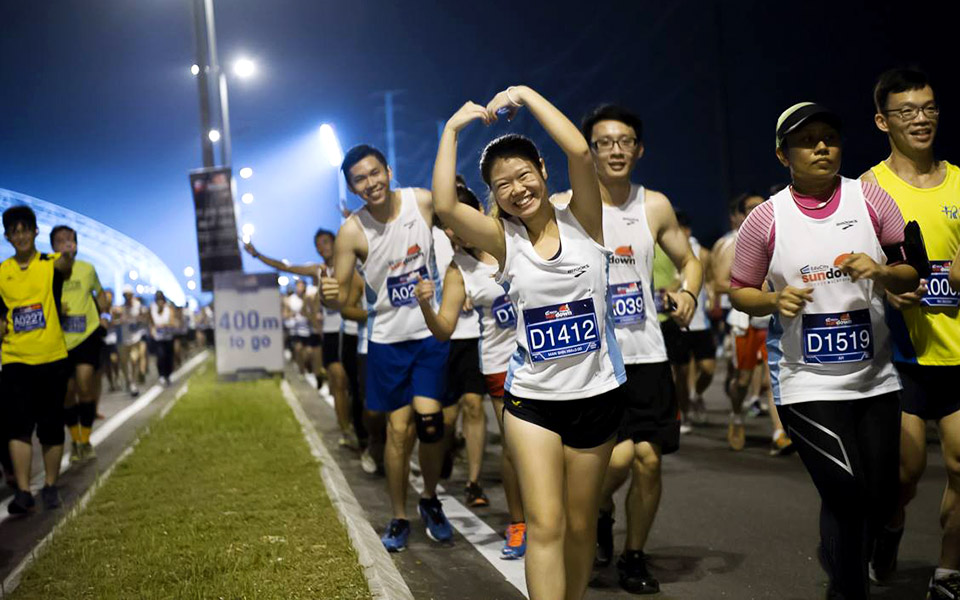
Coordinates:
463 371
928 390
331 348
31 397
651 413
87 352
583 423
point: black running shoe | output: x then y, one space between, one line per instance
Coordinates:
604 540
475 496
947 588
22 503
883 563
634 576
50 496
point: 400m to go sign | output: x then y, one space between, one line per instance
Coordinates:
242 323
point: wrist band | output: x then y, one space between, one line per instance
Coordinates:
510 98
696 302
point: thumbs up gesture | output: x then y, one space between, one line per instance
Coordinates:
425 289
329 289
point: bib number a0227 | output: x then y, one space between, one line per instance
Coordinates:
561 330
504 313
837 337
400 288
626 300
28 318
939 290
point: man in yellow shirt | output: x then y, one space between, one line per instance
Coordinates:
82 302
34 355
925 328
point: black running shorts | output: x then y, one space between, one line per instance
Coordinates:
87 352
584 423
331 348
463 371
31 397
928 390
651 414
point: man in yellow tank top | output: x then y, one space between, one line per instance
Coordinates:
34 355
925 327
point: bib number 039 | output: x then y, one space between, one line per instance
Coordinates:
561 330
626 299
837 337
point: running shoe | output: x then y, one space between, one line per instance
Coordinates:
947 588
86 451
883 563
685 426
348 440
604 540
782 445
395 537
515 546
475 496
74 452
431 513
367 463
754 408
51 497
736 434
22 503
634 575
134 391
698 411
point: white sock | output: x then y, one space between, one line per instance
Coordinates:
944 573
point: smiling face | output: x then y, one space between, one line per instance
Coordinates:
616 161
812 152
370 179
324 244
22 237
915 135
518 185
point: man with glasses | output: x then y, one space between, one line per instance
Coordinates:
925 327
634 219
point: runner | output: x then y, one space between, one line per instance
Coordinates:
110 356
163 325
562 391
471 277
818 244
34 359
390 237
634 219
295 314
131 318
923 323
82 301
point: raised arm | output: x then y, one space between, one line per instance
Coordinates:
585 203
443 322
309 270
477 229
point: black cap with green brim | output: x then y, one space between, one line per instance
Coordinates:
802 113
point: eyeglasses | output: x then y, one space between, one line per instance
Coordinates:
909 113
626 143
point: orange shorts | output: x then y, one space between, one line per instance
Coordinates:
495 384
751 348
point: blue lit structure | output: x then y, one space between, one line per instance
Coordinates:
112 253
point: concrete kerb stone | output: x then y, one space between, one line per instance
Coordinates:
382 575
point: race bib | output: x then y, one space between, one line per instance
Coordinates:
28 318
837 337
627 302
561 330
504 313
400 288
75 323
939 290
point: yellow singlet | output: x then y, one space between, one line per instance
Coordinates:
929 334
82 316
33 335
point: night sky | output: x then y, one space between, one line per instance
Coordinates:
99 111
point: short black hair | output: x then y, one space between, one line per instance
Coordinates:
507 146
58 229
464 195
611 112
358 153
15 215
739 202
897 80
323 231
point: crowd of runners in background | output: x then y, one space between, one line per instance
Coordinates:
594 321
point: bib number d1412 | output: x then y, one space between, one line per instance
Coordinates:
400 288
561 330
837 337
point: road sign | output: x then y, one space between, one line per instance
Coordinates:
249 332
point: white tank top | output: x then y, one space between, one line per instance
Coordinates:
162 322
838 347
498 319
566 346
396 250
625 228
298 323
699 322
468 325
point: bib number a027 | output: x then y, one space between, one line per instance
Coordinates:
400 288
28 318
504 313
837 337
626 299
561 330
939 290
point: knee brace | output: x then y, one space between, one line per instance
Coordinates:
429 427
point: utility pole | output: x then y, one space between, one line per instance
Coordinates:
391 141
199 27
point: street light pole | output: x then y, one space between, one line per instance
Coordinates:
206 146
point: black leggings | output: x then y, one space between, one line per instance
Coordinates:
851 449
165 358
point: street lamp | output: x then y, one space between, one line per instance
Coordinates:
133 275
191 285
247 198
244 68
188 272
247 229
246 173
214 135
331 145
194 69
283 280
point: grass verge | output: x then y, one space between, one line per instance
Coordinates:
221 499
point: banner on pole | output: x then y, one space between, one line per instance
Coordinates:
216 223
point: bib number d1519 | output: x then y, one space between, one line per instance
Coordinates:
837 337
400 288
561 330
939 290
626 299
504 313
